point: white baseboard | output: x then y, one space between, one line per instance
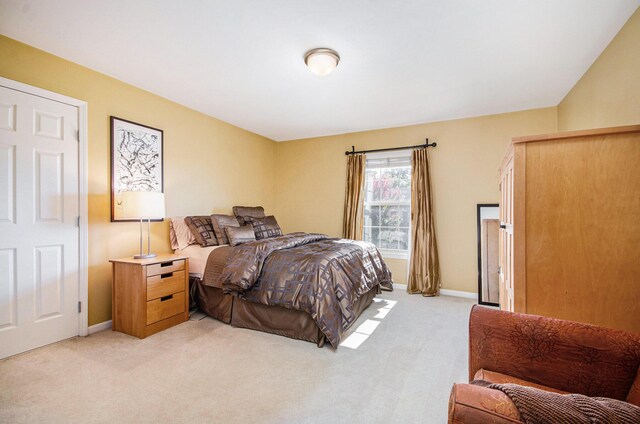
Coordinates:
457 293
99 327
444 292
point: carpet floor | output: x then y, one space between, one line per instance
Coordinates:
405 353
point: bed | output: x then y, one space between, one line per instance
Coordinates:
304 286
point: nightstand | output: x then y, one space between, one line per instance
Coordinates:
149 295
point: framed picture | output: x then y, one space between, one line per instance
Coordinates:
136 162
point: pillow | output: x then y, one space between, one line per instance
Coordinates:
180 234
239 235
241 211
220 222
264 227
202 230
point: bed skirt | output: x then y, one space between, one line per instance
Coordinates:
270 319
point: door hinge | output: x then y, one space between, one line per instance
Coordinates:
78 221
79 307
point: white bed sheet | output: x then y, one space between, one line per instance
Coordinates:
198 256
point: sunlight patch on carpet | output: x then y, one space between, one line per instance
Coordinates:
367 328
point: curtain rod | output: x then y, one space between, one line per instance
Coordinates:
417 146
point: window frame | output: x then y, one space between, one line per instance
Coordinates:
390 253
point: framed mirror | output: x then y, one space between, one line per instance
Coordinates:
488 222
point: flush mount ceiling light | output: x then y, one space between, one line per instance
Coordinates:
322 61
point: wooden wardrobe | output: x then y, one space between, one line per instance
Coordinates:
570 226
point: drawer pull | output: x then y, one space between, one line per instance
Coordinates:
162 299
163 264
167 275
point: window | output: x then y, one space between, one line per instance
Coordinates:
387 203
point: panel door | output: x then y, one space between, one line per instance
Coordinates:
39 256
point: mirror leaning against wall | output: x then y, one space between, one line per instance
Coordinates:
488 223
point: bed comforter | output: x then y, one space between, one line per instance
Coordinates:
312 273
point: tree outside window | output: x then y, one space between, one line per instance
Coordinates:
387 207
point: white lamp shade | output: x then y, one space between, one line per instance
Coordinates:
142 205
322 61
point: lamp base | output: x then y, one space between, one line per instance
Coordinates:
147 256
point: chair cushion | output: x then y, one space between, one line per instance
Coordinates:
496 377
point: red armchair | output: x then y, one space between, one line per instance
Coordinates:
547 353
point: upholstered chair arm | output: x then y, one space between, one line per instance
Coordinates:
471 404
564 355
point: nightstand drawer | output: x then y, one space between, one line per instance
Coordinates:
165 267
165 307
165 284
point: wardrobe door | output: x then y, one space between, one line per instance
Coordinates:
506 236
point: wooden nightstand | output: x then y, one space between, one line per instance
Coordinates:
150 295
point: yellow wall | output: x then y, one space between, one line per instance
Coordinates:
465 165
303 180
209 165
608 94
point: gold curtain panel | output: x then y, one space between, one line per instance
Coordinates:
424 268
353 198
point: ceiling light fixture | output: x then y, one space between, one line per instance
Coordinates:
322 61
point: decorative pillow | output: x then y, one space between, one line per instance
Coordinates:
220 222
180 234
239 235
241 211
264 227
202 230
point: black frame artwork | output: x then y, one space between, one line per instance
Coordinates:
144 150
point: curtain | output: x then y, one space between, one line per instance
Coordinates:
354 198
424 269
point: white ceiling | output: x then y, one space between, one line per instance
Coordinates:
403 62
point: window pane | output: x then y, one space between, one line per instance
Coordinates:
390 216
405 218
375 216
366 235
375 233
404 184
371 216
377 188
394 238
385 238
370 176
403 239
395 184
367 216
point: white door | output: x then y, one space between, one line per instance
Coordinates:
39 256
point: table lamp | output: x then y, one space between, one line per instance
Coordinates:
143 205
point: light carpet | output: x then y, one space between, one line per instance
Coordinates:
204 371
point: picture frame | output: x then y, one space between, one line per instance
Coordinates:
137 161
